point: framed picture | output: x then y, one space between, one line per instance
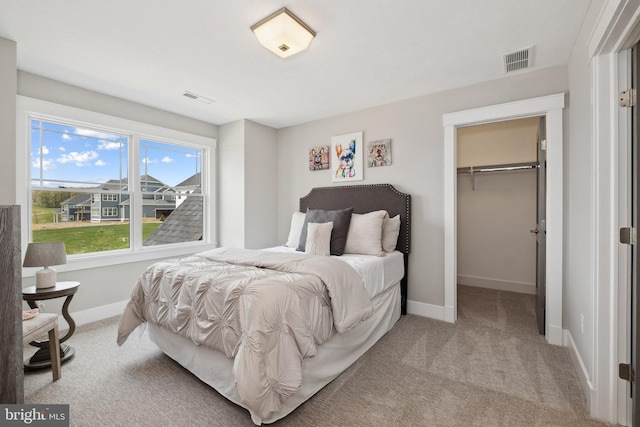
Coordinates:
379 153
319 158
346 155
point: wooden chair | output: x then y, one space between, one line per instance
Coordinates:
39 325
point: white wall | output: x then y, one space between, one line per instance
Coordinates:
495 248
579 226
247 185
415 127
231 184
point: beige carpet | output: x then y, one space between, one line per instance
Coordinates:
491 368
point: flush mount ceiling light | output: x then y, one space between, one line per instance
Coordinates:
283 33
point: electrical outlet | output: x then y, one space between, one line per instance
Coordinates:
581 323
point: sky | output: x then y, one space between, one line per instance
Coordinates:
63 155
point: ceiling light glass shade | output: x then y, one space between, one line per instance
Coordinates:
283 33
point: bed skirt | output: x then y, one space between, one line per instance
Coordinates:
332 358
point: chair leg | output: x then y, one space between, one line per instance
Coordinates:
54 348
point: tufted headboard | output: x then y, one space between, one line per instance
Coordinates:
367 198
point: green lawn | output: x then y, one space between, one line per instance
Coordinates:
42 215
79 240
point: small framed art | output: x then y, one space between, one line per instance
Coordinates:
379 153
319 158
346 152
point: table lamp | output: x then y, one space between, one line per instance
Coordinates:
45 254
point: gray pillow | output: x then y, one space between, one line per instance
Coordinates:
341 220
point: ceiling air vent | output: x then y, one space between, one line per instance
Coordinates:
518 60
197 97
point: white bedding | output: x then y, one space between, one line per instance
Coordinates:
377 273
380 276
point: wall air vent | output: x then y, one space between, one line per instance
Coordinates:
518 60
197 97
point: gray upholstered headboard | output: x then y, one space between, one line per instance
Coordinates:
367 198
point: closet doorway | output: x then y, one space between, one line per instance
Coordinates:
551 107
501 183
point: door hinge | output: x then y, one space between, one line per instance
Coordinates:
543 145
628 235
628 98
626 372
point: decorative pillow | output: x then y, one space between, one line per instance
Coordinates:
365 234
319 238
390 232
297 221
340 218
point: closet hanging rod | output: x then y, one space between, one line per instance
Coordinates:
498 168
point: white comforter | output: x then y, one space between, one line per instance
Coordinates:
266 310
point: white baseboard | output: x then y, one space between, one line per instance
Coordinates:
581 370
497 284
94 314
426 310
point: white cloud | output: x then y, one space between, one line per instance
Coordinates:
109 145
44 150
62 149
166 159
100 163
46 165
66 137
80 159
148 161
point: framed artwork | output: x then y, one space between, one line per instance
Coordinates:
319 158
379 153
346 154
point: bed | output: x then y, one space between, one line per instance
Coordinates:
291 322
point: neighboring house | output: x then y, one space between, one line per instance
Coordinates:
77 208
188 186
99 207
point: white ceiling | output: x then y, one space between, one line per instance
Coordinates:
366 52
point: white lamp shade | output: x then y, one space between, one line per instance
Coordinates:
283 33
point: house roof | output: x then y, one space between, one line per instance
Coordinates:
183 225
365 53
78 199
193 180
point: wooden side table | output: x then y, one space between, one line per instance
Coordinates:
41 359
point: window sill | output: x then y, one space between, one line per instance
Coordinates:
124 257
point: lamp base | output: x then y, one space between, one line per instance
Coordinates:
45 278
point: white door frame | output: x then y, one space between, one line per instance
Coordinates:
551 107
616 30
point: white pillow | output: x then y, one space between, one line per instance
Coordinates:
297 221
390 232
365 234
318 238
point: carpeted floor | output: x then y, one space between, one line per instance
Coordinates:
490 368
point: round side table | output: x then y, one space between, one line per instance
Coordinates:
31 295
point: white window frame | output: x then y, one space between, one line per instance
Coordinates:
29 107
110 212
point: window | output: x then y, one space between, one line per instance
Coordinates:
111 185
109 212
